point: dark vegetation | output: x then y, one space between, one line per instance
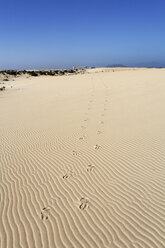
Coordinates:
2 88
36 73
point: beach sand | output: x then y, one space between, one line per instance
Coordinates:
82 160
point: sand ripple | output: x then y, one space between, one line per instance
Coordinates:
82 162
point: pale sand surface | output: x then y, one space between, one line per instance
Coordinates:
83 160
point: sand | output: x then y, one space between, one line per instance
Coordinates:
83 160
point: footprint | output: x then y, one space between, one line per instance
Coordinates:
90 167
96 147
99 132
74 152
52 201
33 172
82 137
68 174
45 213
83 127
83 203
101 122
85 119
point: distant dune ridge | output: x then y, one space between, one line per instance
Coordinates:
82 160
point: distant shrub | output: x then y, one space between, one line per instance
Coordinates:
2 88
33 74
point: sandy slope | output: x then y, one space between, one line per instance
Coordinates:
83 161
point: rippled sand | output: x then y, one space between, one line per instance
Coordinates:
83 160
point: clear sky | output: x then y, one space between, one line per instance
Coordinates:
63 33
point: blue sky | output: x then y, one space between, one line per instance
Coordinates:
60 34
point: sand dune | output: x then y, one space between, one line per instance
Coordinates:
83 160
